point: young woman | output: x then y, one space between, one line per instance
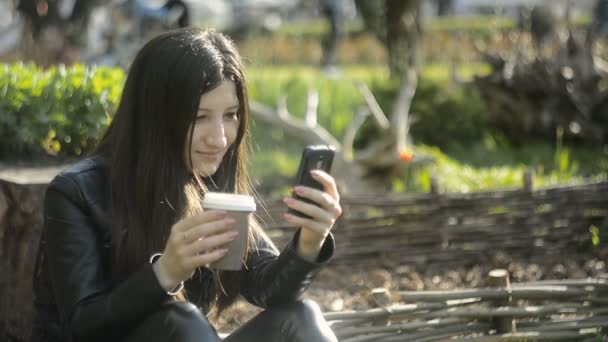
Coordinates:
180 130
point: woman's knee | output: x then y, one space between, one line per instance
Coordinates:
306 322
303 309
301 314
298 321
177 322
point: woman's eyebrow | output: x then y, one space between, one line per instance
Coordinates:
203 109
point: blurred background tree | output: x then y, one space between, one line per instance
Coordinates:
396 23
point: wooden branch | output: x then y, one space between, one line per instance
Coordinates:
442 333
535 336
312 103
402 327
293 127
592 322
506 311
282 111
379 153
600 283
395 309
351 131
350 177
339 325
378 115
529 292
368 337
401 109
454 77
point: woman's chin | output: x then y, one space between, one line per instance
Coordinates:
206 171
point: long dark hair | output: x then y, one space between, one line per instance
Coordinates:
150 184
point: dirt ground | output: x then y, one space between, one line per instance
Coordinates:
339 288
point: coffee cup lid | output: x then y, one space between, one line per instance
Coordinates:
227 201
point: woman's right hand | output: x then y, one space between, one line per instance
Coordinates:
194 241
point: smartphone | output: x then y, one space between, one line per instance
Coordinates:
314 157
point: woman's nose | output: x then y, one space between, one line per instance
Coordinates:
216 136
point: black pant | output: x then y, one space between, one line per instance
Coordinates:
183 322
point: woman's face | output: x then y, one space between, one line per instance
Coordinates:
215 129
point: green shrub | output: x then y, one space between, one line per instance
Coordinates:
59 111
446 117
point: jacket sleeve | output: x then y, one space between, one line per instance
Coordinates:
89 307
273 279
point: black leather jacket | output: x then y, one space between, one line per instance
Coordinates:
74 297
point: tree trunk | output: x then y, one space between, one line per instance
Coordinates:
396 24
373 14
403 35
20 228
445 7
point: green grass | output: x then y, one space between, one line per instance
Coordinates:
470 23
466 24
583 160
315 28
318 27
478 168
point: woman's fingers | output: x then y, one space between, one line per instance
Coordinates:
310 210
323 199
198 219
329 184
197 240
323 211
209 243
318 227
205 259
208 229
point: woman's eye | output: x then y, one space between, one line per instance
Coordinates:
231 116
201 117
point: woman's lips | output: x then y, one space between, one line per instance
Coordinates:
210 155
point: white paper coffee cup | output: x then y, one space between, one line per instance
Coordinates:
239 207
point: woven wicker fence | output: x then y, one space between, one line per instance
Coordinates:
451 230
567 310
461 229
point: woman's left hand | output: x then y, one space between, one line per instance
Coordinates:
322 216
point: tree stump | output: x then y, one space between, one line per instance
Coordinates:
20 228
499 278
536 98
